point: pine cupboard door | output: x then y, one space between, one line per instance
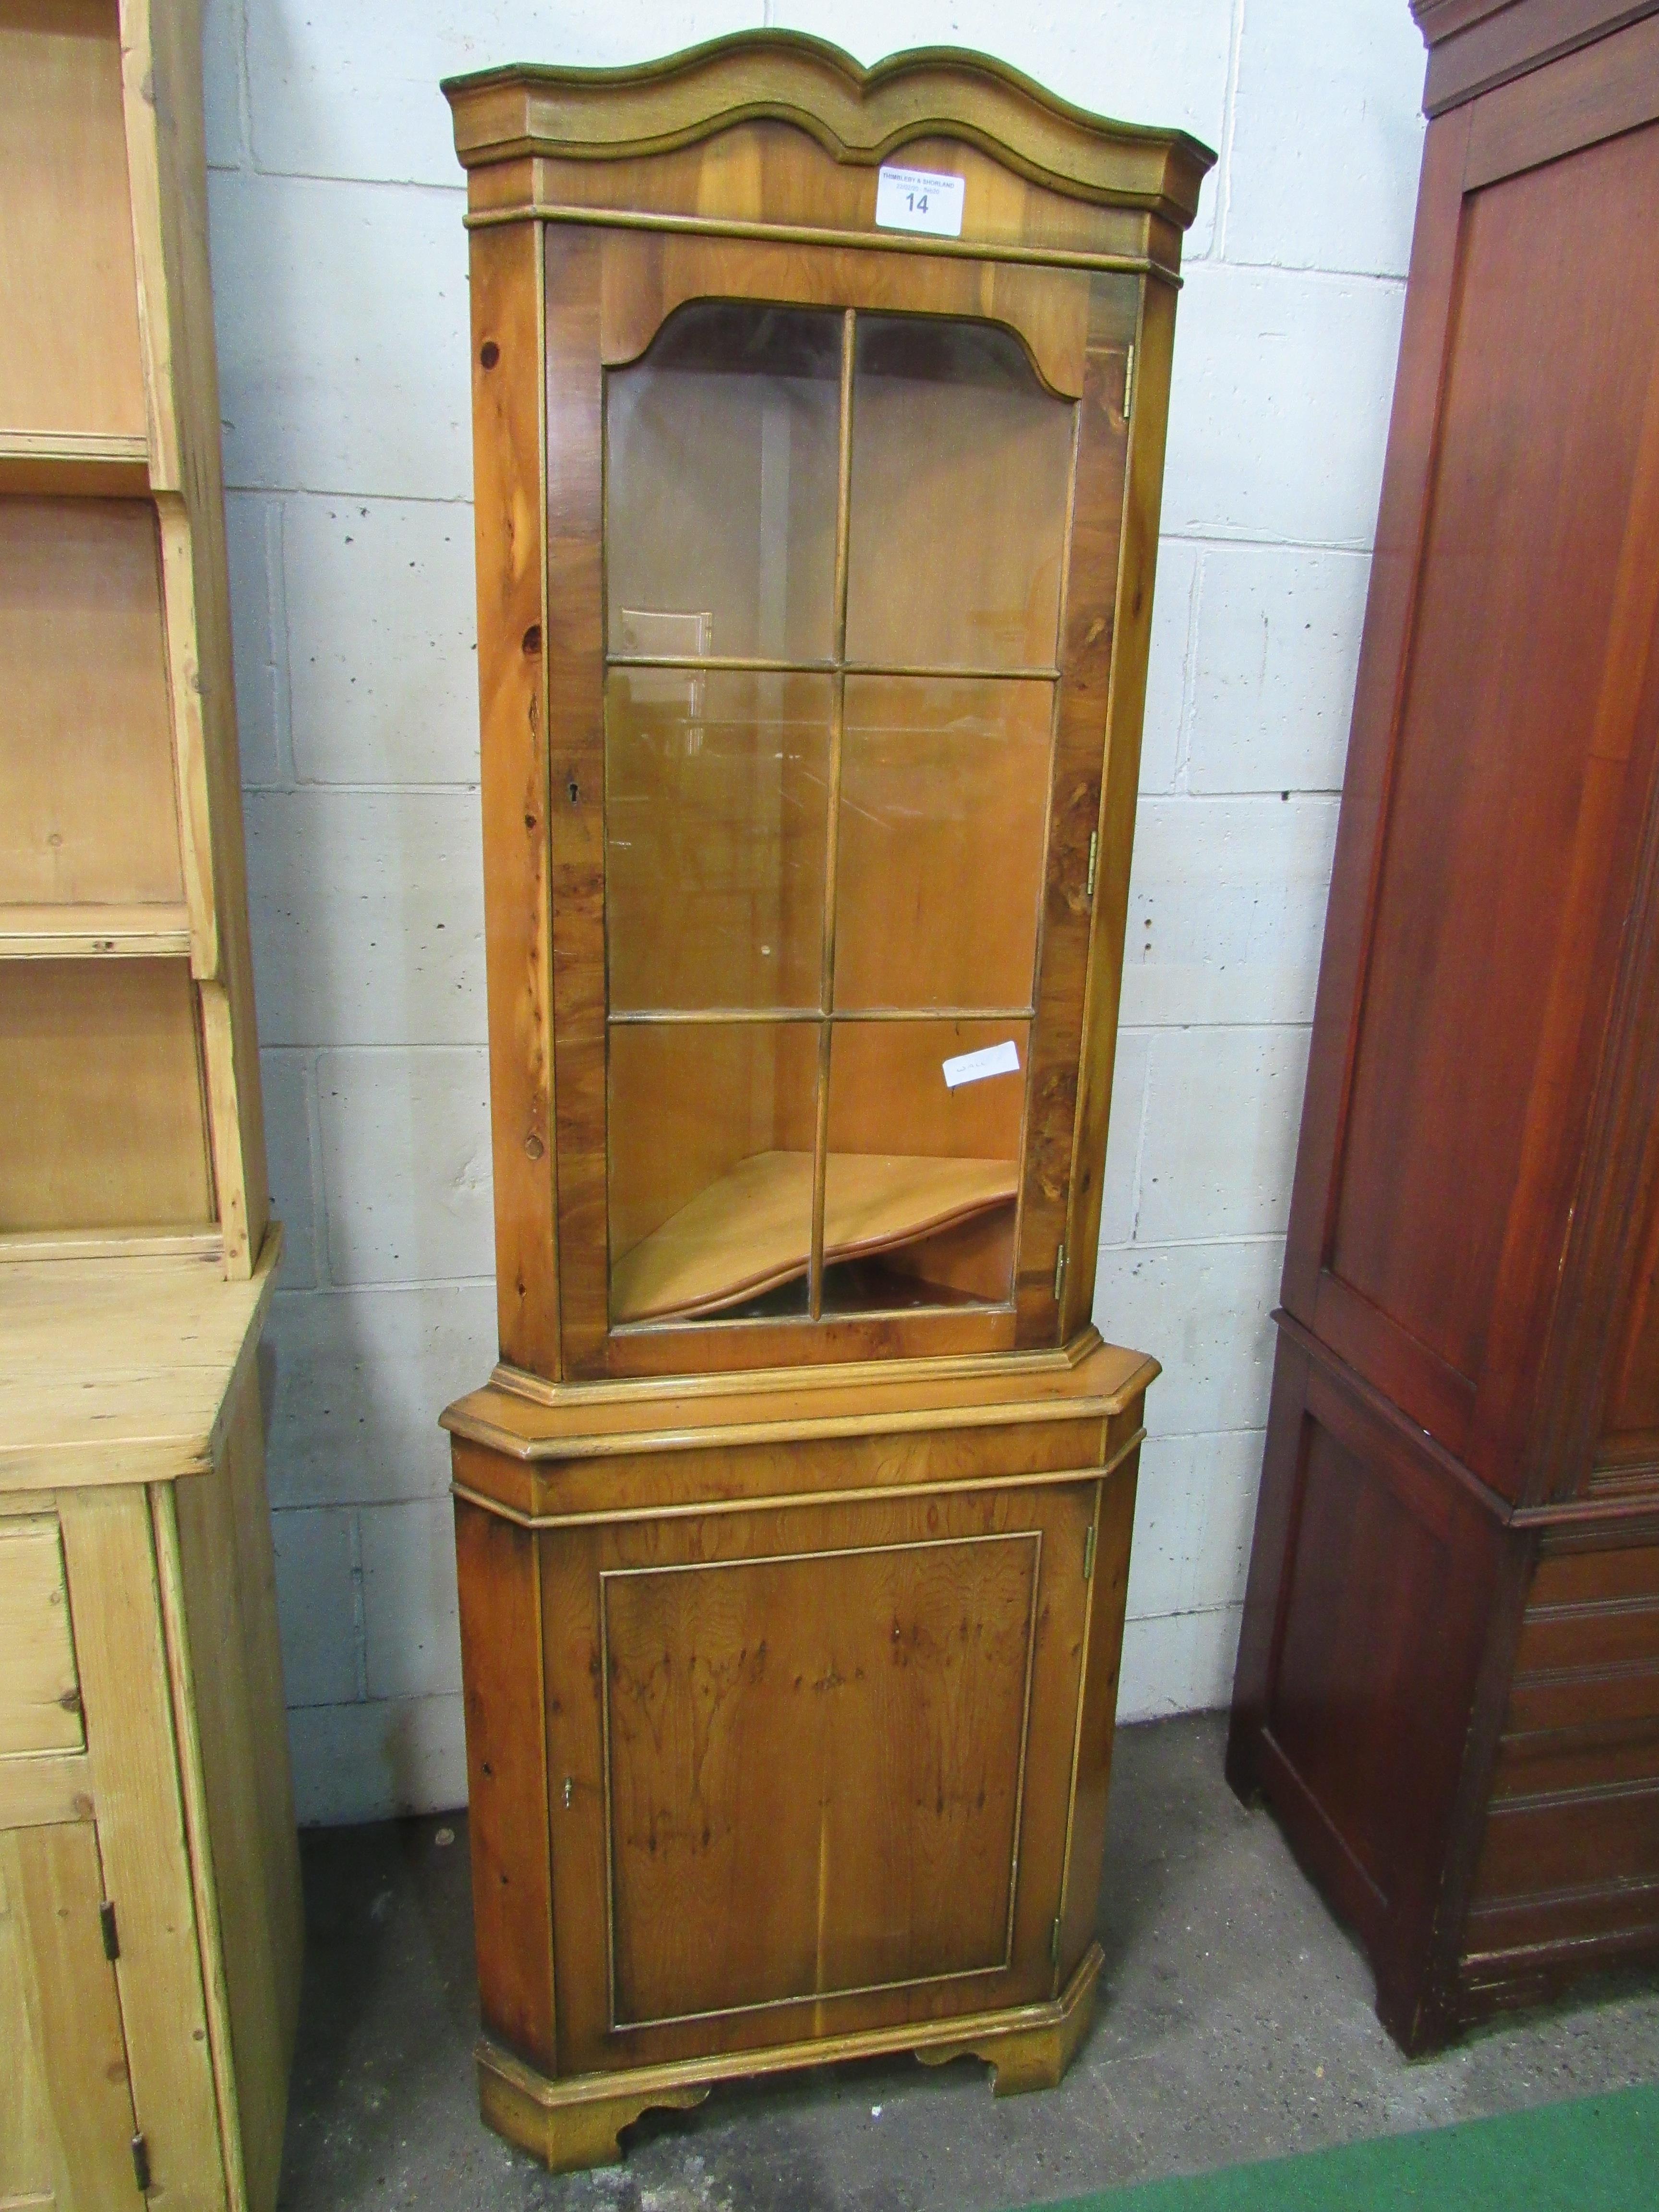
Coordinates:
66 2117
826 772
810 1770
1498 824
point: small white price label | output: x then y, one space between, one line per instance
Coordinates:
918 199
974 1066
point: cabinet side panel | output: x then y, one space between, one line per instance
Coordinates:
1149 406
228 1588
1381 1631
506 1780
1087 634
162 62
1512 822
1085 1848
507 450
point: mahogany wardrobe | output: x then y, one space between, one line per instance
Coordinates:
1448 1687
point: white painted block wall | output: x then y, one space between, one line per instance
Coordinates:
340 282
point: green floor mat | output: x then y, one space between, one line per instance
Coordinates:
1592 2154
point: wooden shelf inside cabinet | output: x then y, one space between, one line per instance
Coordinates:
750 1232
74 464
64 932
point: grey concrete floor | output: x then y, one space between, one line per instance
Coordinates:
1235 2023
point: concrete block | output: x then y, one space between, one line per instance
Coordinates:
1181 1663
341 311
285 1078
367 916
1327 137
360 1377
411 1615
1223 1110
253 535
353 91
1166 1527
317 1606
381 643
1226 1474
1279 411
1117 1202
377 1760
222 84
1202 1310
1163 742
406 1173
1227 910
1277 651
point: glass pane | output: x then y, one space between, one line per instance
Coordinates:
711 1128
923 1173
715 794
720 462
944 798
961 469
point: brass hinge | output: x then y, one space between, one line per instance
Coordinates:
1053 1943
112 1939
1060 1273
1089 1552
141 2164
1094 854
1129 379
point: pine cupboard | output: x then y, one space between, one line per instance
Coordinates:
818 427
149 1899
1448 1685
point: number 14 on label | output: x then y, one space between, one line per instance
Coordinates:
919 199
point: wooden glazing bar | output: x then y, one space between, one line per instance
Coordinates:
637 1018
832 815
1132 585
951 671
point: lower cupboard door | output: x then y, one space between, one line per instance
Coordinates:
66 2123
811 1769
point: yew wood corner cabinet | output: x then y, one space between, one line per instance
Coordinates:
818 422
1448 1685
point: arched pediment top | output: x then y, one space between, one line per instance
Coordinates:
858 116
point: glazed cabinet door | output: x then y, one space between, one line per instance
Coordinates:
810 1770
832 589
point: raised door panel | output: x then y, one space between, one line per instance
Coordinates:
66 2123
1520 771
809 1769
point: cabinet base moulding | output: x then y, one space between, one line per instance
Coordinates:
576 2123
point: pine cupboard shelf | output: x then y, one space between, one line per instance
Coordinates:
815 562
149 1914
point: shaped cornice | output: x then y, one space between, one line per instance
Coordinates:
857 115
